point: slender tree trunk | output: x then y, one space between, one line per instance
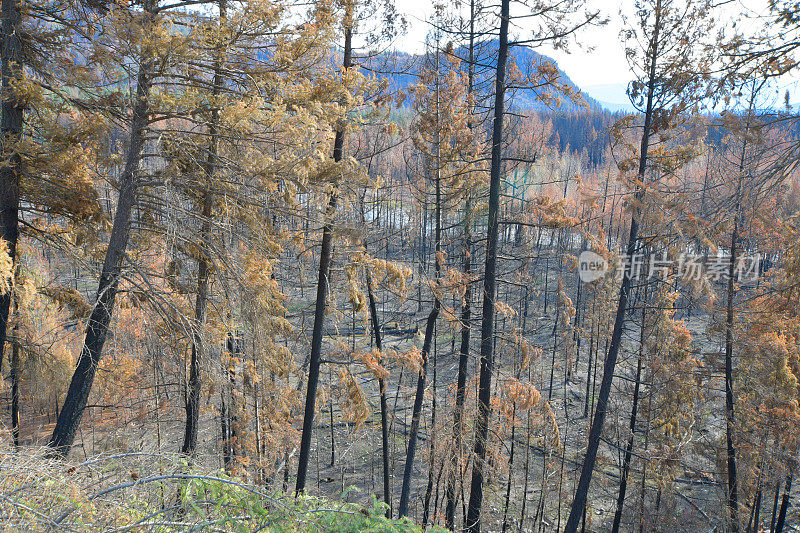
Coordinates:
11 118
626 463
430 327
376 332
100 319
787 492
332 433
527 469
775 507
438 485
753 523
15 378
259 466
579 304
755 516
203 264
733 497
322 293
234 431
553 355
461 380
643 485
473 521
510 469
592 346
405 491
432 450
582 492
225 428
466 316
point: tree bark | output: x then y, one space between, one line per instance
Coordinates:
733 493
203 263
775 507
405 491
461 380
430 327
15 378
756 514
322 293
100 319
432 450
582 491
376 332
473 521
626 464
733 499
11 121
231 446
784 503
510 480
466 316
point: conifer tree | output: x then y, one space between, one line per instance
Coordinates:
556 23
662 92
99 321
323 278
11 117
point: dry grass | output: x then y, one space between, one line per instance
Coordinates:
157 492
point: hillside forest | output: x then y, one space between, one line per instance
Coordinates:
261 269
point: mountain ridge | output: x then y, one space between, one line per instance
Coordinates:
486 56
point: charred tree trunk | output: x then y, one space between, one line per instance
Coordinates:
755 516
405 491
432 451
473 521
626 463
322 293
15 377
461 380
376 332
203 266
787 491
733 499
510 480
775 507
100 319
466 316
733 492
11 117
232 444
430 327
224 429
595 433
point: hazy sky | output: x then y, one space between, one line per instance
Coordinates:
604 64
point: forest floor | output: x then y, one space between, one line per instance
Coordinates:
346 461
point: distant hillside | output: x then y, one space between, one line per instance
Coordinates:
576 128
402 70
